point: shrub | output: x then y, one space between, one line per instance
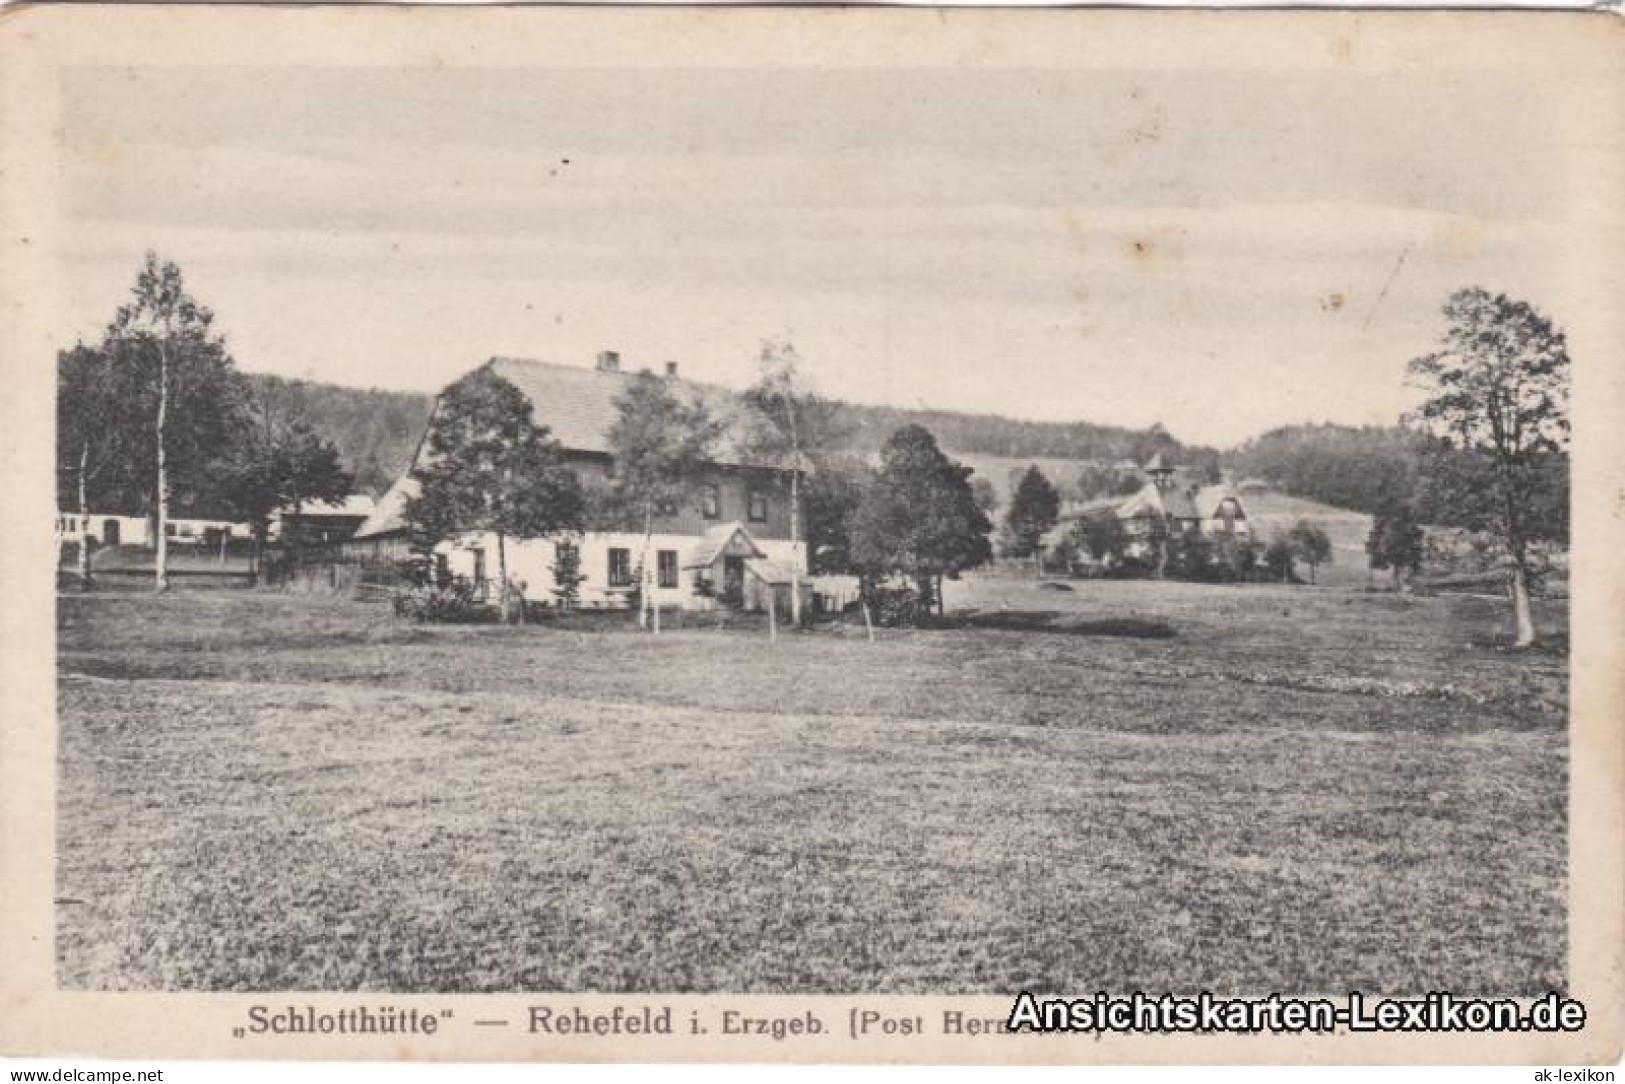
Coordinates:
1279 558
897 606
453 601
567 574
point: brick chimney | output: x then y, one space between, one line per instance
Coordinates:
671 368
609 361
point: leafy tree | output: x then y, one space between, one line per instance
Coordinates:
987 498
918 518
1395 542
1279 557
276 461
833 497
662 446
88 427
1310 544
311 471
181 381
1235 554
1498 388
1034 508
797 430
1103 536
1190 553
489 466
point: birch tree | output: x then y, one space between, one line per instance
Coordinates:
662 443
182 383
87 433
797 431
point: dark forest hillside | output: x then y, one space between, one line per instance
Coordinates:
1355 467
377 431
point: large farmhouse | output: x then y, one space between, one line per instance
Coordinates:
727 544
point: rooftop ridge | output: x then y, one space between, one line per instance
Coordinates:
625 374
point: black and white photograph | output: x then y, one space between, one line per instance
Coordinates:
587 513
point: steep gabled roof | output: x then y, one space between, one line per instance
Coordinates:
1210 500
1146 501
578 404
389 514
355 504
1177 504
1153 500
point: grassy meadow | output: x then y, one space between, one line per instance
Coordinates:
1125 785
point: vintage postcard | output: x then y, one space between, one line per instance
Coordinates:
801 535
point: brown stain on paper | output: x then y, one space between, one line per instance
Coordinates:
1156 249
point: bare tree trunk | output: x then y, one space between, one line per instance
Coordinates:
84 518
261 530
795 539
1520 607
646 594
160 561
290 532
502 575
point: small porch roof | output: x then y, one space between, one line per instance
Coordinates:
723 540
769 572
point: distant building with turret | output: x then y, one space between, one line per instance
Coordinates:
1166 503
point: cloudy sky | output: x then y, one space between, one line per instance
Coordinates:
1218 251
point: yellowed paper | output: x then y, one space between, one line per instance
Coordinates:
1217 221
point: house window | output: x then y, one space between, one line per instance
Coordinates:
667 567
620 567
711 502
757 506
